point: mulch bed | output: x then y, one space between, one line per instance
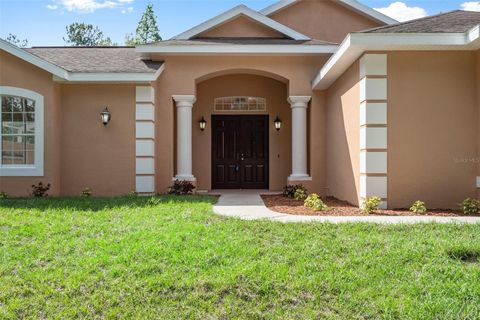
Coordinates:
283 204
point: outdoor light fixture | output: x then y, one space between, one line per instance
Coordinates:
278 123
202 123
106 116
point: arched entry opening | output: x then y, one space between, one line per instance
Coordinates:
240 146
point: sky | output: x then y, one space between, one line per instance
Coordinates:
43 22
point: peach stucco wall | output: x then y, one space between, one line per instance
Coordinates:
241 27
93 155
18 73
323 19
243 85
342 136
432 128
183 73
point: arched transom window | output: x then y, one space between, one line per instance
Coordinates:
21 132
242 103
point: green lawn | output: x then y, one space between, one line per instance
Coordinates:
170 257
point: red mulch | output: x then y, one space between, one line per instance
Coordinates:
282 204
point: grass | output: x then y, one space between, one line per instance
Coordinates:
170 257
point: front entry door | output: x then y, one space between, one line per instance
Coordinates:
239 152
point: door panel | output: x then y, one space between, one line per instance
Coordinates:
240 152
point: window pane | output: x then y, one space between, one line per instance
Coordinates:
6 104
7 157
7 143
18 157
30 143
30 157
16 104
29 105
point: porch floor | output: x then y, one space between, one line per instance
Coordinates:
248 205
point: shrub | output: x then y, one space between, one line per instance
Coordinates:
371 204
300 194
132 194
86 193
181 187
290 190
314 202
40 190
3 195
418 207
470 206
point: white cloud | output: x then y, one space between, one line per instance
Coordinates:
87 5
128 10
402 12
471 6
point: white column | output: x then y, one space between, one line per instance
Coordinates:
299 105
184 104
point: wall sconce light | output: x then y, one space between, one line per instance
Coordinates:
106 116
278 123
202 123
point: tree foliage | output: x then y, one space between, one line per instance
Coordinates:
82 34
147 29
15 40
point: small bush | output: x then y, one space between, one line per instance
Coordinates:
290 190
3 195
418 207
371 204
470 206
314 202
181 187
86 193
132 194
300 195
40 190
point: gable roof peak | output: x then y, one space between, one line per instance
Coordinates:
235 12
351 4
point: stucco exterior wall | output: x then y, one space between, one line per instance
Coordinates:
243 85
432 128
184 73
15 72
93 155
241 27
323 20
343 136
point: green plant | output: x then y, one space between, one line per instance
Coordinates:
290 190
40 190
418 207
181 187
3 195
132 194
371 204
314 202
300 194
86 193
470 206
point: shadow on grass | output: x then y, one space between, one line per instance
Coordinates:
98 204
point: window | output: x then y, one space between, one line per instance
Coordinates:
21 132
240 104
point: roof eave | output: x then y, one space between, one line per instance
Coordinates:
356 44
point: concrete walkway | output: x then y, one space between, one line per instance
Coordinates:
248 205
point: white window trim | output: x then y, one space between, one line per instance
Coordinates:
35 170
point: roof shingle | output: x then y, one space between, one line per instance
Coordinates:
97 59
450 22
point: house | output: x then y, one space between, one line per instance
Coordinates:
329 94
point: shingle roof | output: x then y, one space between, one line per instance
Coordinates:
96 59
239 41
450 22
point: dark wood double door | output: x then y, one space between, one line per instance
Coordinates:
239 152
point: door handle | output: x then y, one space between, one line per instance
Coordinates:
242 157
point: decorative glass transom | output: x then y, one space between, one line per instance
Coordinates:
240 104
17 121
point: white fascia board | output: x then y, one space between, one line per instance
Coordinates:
357 6
235 12
356 44
239 49
33 59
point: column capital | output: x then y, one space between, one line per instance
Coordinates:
183 100
299 101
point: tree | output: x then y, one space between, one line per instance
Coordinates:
81 34
13 39
147 29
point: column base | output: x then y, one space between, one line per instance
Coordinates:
299 177
184 177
